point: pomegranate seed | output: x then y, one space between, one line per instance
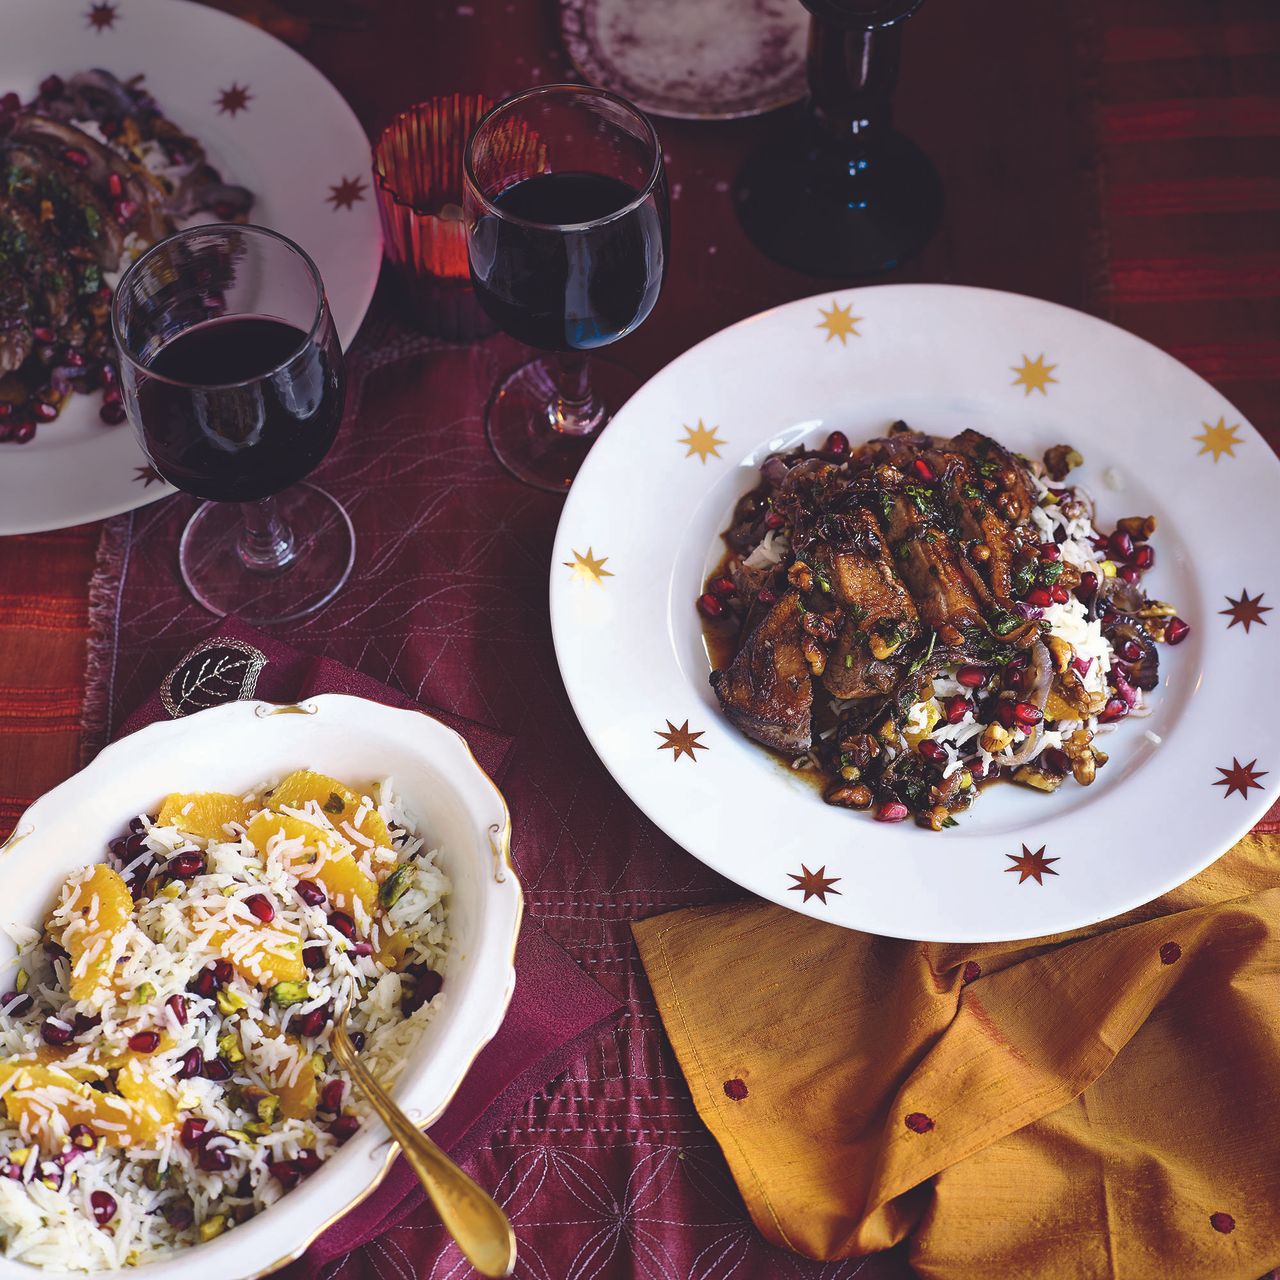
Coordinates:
14 1003
314 1022
313 955
306 1162
1175 631
42 333
427 983
1050 551
1116 709
217 1069
112 414
10 104
112 395
144 1041
204 984
1129 573
1055 760
193 1132
178 1215
1120 545
766 597
1125 690
837 443
103 1204
362 949
357 1040
83 1022
971 677
932 751
285 1172
124 209
310 892
177 1005
51 86
1002 713
773 520
1059 594
119 847
891 811
1145 556
723 587
1027 714
1088 587
115 187
331 1095
923 470
83 1137
11 1171
74 156
1039 598
956 708
44 411
53 1033
222 972
709 606
1131 651
344 924
191 1066
214 1159
1082 665
260 905
344 1128
183 866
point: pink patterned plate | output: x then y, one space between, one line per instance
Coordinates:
640 532
691 59
269 120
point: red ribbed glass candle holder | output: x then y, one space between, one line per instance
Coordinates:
417 166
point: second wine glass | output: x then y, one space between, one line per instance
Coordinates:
565 199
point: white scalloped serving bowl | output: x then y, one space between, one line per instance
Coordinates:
233 747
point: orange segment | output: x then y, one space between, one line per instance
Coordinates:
202 813
263 955
314 838
154 1107
321 859
103 905
335 798
297 1090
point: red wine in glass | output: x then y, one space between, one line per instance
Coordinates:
562 289
239 407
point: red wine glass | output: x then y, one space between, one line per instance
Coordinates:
565 201
233 378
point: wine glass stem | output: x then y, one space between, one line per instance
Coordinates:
574 409
266 542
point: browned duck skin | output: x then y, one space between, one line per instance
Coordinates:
767 691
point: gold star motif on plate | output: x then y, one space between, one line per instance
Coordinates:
702 441
814 884
1033 375
839 322
233 100
1247 610
148 475
1239 778
681 742
1031 866
346 193
588 568
101 17
1218 438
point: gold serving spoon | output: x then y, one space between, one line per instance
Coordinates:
470 1215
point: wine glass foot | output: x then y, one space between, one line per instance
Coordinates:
817 211
518 422
324 549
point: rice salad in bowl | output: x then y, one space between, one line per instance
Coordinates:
165 1069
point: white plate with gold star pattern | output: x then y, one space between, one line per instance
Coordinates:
269 121
641 531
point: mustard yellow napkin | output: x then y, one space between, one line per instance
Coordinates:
1100 1105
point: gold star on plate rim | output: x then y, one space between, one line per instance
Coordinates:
1218 438
1247 610
681 742
587 568
101 17
346 193
814 884
1031 866
148 475
703 442
1239 778
839 322
1033 375
233 100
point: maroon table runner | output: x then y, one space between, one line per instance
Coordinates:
608 1172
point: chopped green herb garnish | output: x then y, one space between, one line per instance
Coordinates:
857 613
1002 622
1051 572
972 492
848 661
925 656
922 497
949 821
1023 577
